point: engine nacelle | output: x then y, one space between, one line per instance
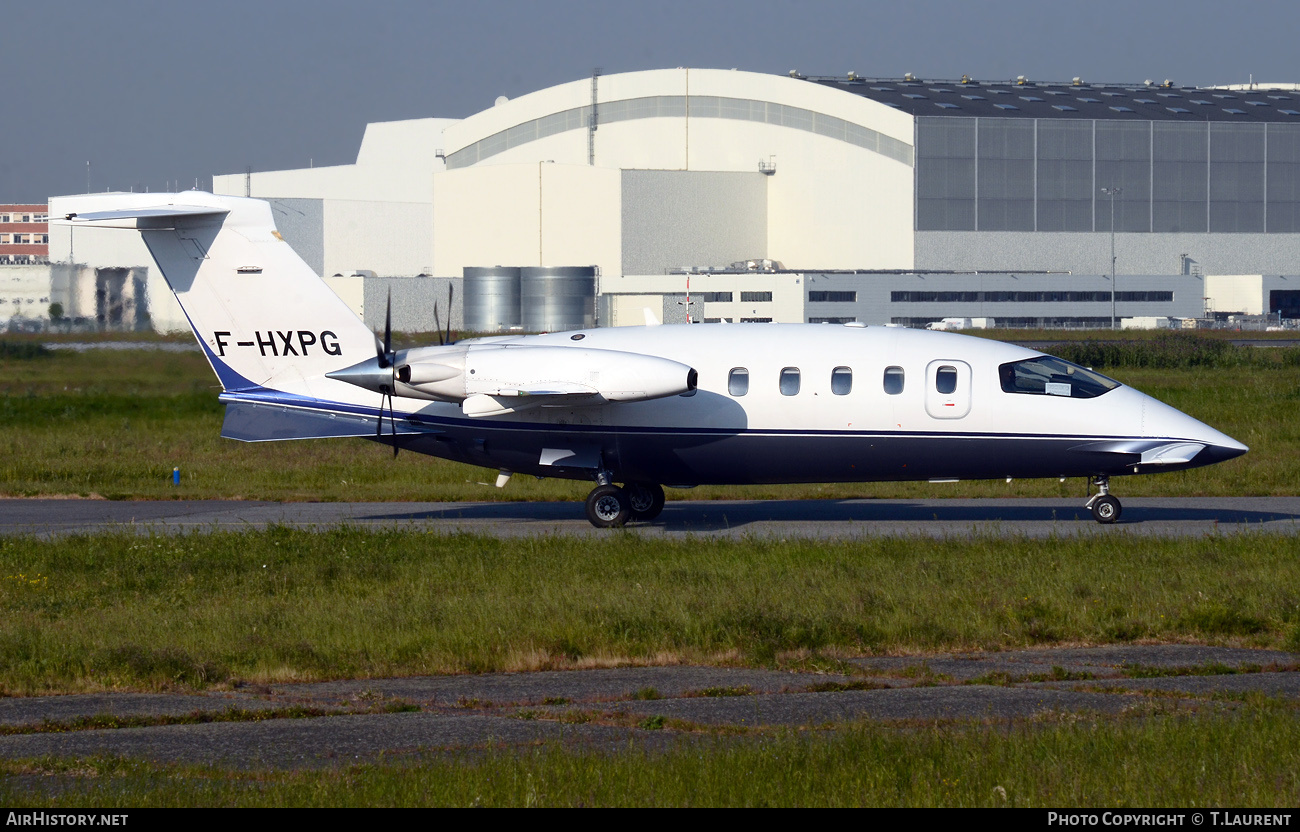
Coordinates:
563 375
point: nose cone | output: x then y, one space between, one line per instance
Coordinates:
1162 421
1222 451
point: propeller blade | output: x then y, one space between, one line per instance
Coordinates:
451 290
392 421
436 324
388 332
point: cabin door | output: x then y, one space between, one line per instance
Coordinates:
947 389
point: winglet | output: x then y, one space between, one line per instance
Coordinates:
650 319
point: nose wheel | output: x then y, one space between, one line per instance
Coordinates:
1104 507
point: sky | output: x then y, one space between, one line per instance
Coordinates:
152 94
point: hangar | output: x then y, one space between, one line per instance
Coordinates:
930 195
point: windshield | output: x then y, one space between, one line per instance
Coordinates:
1051 376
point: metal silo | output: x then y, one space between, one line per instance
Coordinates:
556 298
491 298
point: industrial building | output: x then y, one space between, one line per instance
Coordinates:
883 201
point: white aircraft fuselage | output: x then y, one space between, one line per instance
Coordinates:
711 436
645 406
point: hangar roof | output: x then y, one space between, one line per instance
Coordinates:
1077 100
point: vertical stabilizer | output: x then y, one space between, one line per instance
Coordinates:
263 317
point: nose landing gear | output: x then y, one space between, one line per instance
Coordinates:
1104 507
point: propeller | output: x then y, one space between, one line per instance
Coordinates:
387 360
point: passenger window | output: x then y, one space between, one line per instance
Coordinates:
790 381
841 381
738 382
945 380
893 380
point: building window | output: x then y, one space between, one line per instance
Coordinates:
832 320
738 382
755 297
841 381
1029 297
716 297
893 380
756 320
832 297
790 381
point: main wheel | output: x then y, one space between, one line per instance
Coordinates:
1106 509
645 498
608 506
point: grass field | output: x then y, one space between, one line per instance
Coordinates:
115 423
114 611
203 611
1250 757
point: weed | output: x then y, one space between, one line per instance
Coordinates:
652 723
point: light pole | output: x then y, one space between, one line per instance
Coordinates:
1112 193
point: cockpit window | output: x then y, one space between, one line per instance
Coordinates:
1051 376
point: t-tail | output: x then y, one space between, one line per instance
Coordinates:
270 327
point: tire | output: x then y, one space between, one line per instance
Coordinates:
608 507
1107 509
646 499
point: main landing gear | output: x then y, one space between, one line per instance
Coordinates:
1105 508
609 506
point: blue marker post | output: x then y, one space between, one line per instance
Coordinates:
176 475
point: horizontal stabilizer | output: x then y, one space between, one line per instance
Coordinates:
153 217
257 422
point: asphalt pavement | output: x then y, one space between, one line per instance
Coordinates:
612 709
822 519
